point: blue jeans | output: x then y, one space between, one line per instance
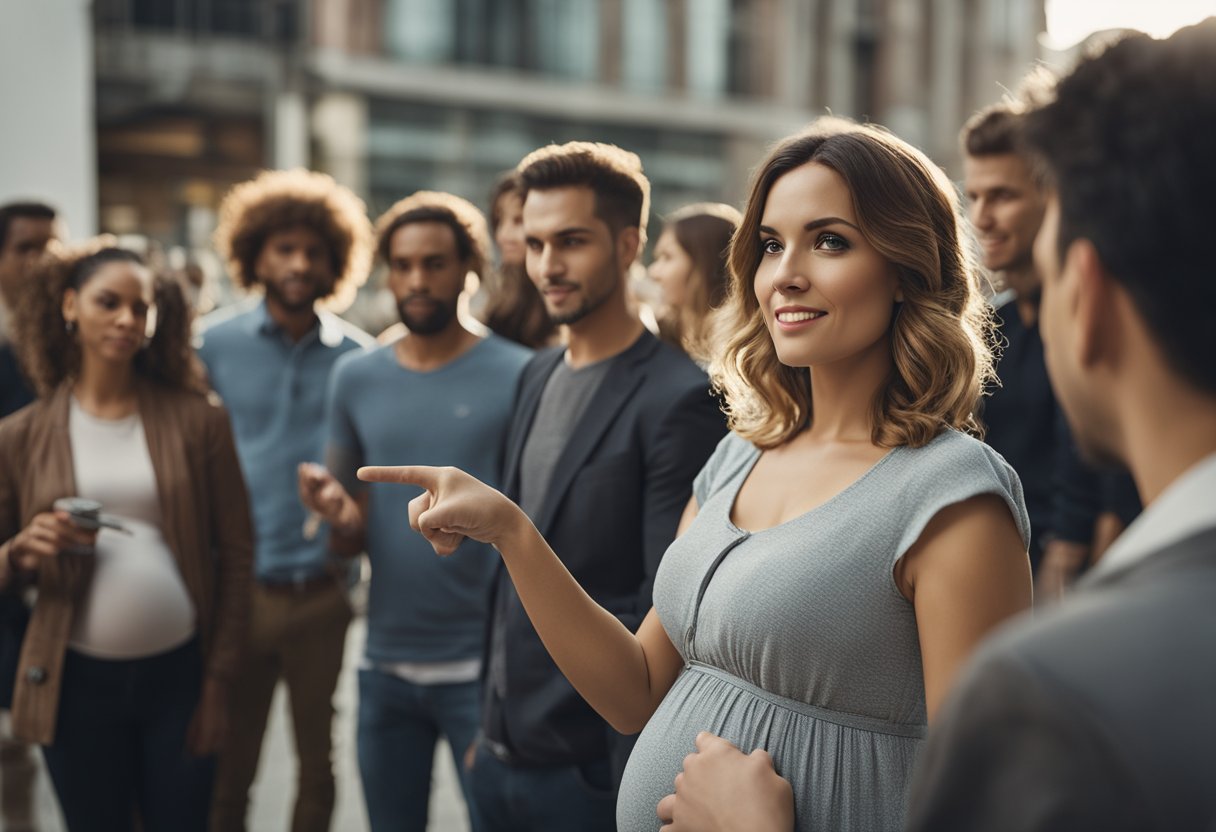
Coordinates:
399 724
522 798
120 744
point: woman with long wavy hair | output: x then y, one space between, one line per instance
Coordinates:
848 544
143 583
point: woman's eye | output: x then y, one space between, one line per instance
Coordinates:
832 242
770 247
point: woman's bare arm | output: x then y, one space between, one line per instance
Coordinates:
623 676
966 574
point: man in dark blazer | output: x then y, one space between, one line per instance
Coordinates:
1102 714
1099 714
607 435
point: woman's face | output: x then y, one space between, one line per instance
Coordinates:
111 311
671 269
826 294
510 232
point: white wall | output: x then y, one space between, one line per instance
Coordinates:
47 125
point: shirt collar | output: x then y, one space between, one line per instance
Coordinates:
1182 510
328 331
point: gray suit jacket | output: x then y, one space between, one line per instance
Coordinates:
1099 714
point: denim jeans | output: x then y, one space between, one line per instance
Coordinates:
522 798
399 724
120 744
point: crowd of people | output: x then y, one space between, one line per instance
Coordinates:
847 535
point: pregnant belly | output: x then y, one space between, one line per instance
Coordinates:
848 772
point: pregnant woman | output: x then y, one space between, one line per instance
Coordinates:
848 544
125 667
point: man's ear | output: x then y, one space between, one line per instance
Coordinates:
1094 307
628 245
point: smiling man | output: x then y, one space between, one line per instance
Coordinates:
607 435
300 238
440 395
1099 714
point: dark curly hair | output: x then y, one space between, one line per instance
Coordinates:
50 354
279 200
1127 144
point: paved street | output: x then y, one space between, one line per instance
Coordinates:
275 788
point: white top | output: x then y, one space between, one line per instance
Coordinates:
1187 506
137 604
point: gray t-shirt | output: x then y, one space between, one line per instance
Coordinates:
566 396
562 403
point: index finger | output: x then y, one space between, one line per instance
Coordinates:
421 475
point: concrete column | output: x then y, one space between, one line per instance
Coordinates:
947 108
842 24
339 123
48 145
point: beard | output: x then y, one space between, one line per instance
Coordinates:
438 316
295 305
590 302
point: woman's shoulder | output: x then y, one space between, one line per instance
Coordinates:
733 452
953 450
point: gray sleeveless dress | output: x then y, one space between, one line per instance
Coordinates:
797 640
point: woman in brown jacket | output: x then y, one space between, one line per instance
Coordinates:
126 664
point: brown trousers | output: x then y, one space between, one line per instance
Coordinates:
299 637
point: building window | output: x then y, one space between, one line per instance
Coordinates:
644 51
420 31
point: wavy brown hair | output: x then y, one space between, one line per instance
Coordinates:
704 230
50 354
279 200
941 335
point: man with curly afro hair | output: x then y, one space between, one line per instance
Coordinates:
302 243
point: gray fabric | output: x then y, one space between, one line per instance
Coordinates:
1096 714
567 394
797 639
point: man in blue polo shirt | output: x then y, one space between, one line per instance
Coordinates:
301 238
441 395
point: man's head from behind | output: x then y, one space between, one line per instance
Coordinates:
430 241
1129 299
585 210
25 230
298 234
1005 199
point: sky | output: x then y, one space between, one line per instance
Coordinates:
1068 21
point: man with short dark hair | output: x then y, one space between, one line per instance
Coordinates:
1064 497
607 435
301 239
26 228
439 395
1099 714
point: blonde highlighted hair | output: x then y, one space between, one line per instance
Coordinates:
941 334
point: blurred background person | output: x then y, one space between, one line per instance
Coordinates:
690 267
25 230
301 239
133 643
1006 200
511 305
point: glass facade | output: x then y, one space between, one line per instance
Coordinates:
416 146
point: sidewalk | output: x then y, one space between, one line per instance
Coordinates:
274 789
